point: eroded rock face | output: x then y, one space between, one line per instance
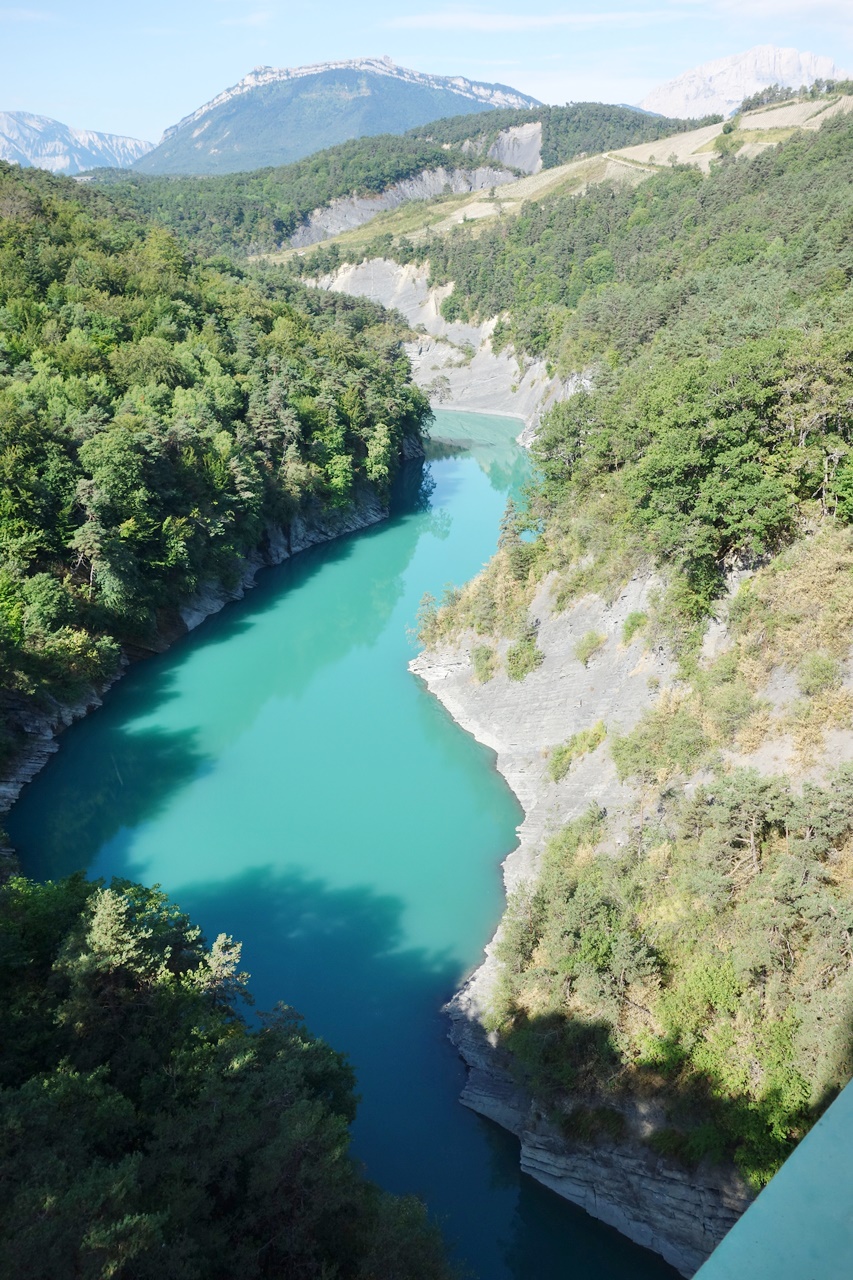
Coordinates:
453 362
520 147
721 86
28 139
349 212
681 1216
38 727
519 720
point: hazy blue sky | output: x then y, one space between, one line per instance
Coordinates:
135 68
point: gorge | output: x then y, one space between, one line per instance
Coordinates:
287 780
657 653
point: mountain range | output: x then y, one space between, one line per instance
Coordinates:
38 141
276 115
719 87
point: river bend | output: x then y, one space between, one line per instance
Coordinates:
282 775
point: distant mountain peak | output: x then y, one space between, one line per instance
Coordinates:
37 141
721 86
489 95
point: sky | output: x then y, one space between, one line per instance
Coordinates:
121 66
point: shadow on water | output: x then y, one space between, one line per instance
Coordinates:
115 770
338 954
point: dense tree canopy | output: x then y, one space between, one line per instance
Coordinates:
578 128
146 1131
711 319
156 417
259 210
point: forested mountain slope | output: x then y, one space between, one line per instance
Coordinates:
567 132
691 958
259 211
249 212
278 115
156 419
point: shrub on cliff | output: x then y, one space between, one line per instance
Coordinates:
525 655
709 966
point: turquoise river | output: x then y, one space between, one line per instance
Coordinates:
289 782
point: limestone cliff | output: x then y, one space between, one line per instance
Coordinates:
519 146
652 1200
454 363
721 86
353 211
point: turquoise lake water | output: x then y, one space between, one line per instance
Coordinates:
288 782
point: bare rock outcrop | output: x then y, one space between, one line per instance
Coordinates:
520 147
454 362
348 212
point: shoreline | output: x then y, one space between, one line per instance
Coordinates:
650 1200
679 1214
43 726
682 1215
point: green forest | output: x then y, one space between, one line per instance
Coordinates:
712 319
146 1131
163 408
567 132
157 417
244 213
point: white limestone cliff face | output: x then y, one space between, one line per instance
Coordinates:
348 212
648 1198
42 143
520 147
454 363
719 87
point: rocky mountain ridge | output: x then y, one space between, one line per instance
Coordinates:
486 95
720 86
277 115
40 142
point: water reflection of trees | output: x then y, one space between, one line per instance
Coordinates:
505 465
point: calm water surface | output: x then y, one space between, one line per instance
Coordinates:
287 781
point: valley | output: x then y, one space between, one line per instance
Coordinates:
473 491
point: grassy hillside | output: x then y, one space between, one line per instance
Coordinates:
155 418
703 963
